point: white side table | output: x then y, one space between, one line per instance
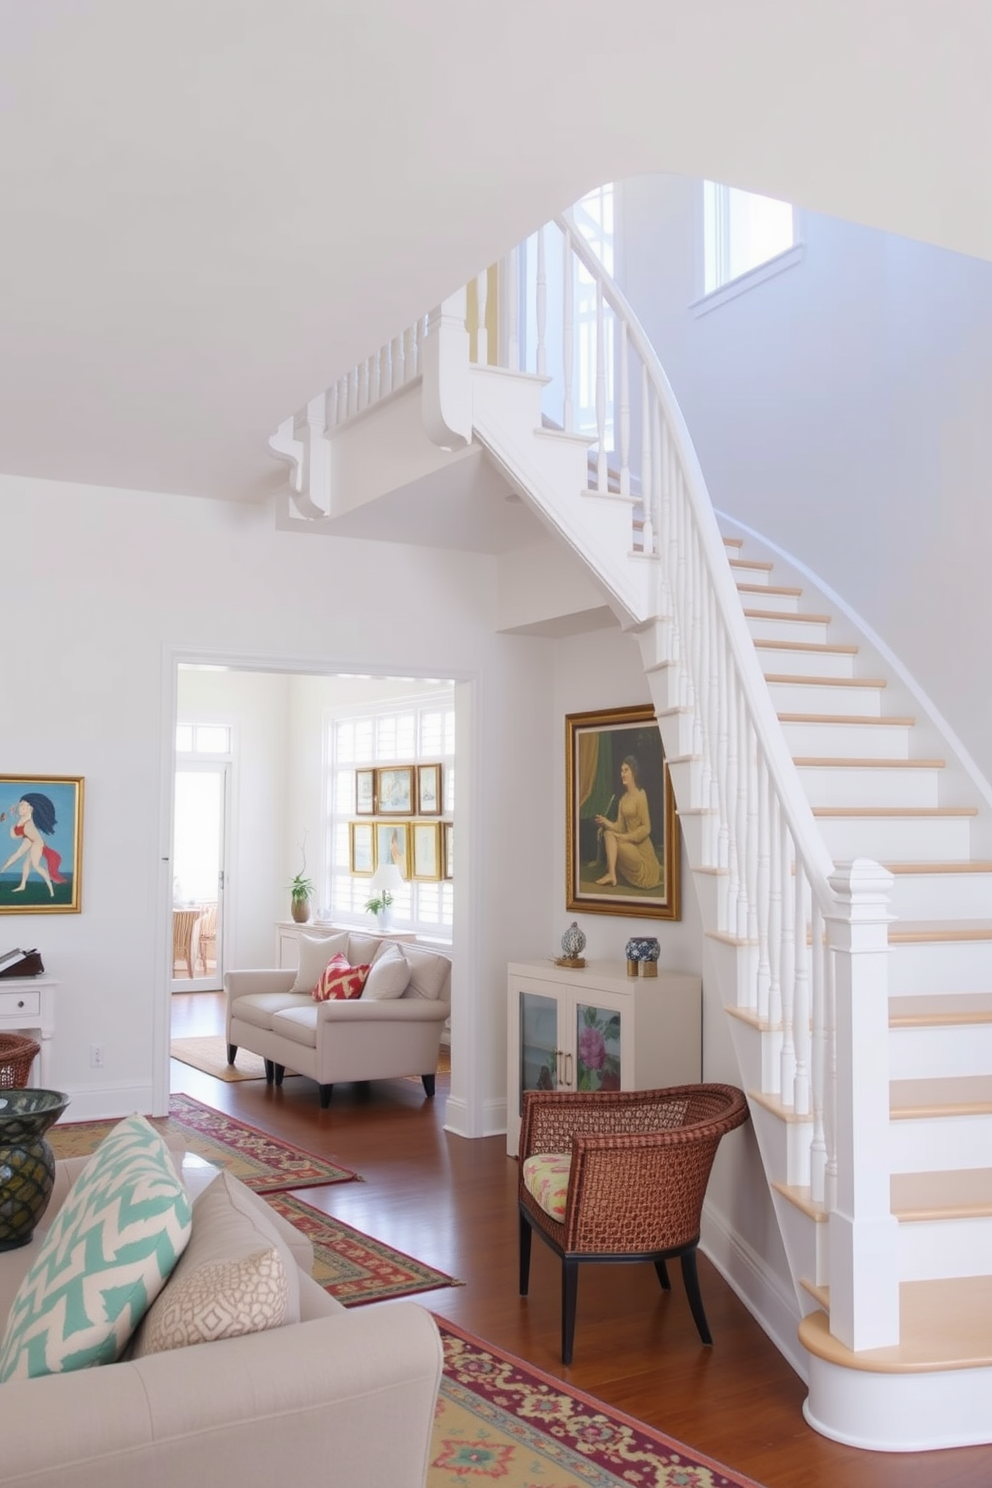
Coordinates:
27 1005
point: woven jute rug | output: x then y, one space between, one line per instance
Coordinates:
262 1162
208 1053
499 1420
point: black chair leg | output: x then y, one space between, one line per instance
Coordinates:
525 1239
569 1296
691 1279
232 1053
270 1071
280 1070
662 1270
429 1083
325 1096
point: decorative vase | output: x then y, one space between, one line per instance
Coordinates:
384 919
573 942
300 910
642 954
27 1163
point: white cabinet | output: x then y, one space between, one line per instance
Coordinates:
27 1005
596 1028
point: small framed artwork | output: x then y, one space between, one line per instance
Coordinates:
394 790
41 844
426 850
428 790
361 843
365 793
622 844
392 845
448 850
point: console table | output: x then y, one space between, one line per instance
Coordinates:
598 1029
27 1005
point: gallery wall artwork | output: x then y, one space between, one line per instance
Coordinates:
41 842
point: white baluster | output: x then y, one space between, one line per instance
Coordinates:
512 276
752 833
647 486
788 972
354 399
733 882
541 306
568 332
481 334
801 1009
602 467
742 809
818 1063
763 889
830 1080
331 408
409 353
623 418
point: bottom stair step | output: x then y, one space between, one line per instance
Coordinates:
943 1324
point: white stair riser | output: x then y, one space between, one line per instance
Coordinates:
784 604
899 1412
785 628
939 1144
759 1054
744 575
929 1249
927 968
942 896
808 697
806 1244
847 740
806 663
928 1052
903 839
870 785
784 1145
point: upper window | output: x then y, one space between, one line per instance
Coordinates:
741 232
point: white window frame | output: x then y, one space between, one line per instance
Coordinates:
742 283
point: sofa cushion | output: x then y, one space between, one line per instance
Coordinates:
339 980
258 1008
389 975
315 952
236 1276
429 973
104 1260
363 948
298 1024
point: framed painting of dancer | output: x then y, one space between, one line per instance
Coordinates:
622 849
41 843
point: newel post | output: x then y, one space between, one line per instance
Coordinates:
864 1285
446 388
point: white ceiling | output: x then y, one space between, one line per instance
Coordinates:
210 208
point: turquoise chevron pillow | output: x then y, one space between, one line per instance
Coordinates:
124 1224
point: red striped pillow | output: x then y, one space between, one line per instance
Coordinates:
339 980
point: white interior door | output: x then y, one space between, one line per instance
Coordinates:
198 862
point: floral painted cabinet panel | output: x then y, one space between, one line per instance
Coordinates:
598 1029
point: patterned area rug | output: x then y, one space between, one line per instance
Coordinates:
263 1163
353 1267
498 1420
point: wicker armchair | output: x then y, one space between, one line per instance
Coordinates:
639 1162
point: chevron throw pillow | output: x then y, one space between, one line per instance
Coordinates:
105 1258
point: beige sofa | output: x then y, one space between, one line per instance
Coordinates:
306 1399
273 1013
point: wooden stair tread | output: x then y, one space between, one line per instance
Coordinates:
847 762
788 678
966 865
860 718
961 1193
803 618
755 565
943 1325
935 812
785 589
818 648
913 932
799 1194
940 1010
954 1095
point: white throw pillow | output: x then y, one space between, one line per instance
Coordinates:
315 952
389 976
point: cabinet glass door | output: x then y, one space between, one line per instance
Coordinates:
597 1048
538 1043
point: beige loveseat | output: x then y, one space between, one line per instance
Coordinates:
376 1037
346 1397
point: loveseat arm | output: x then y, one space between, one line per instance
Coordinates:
244 1413
273 979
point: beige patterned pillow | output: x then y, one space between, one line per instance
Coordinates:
222 1299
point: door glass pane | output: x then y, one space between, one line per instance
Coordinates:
538 1043
597 1048
196 861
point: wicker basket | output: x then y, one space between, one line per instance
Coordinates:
17 1055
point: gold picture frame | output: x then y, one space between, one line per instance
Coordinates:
41 842
425 861
392 845
428 790
361 849
616 778
394 790
365 792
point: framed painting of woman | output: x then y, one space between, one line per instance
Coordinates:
622 851
41 840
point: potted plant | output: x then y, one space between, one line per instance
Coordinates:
385 880
301 891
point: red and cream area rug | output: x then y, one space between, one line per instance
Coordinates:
500 1421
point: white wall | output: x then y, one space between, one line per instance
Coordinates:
841 408
122 585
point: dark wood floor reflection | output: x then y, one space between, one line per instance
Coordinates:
451 1203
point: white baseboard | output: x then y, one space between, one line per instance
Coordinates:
109 1102
769 1301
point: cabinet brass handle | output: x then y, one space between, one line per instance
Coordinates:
568 1070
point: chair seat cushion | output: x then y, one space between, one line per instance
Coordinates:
545 1178
298 1024
258 1008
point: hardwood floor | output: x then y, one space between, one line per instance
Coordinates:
452 1203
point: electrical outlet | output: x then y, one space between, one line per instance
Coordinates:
96 1056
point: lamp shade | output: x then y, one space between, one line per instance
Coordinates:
387 876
